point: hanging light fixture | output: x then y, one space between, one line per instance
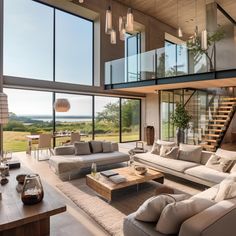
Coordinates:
130 20
62 105
81 1
113 36
108 24
180 33
122 28
4 115
204 44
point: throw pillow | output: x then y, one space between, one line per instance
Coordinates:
169 152
96 146
190 153
226 189
82 148
167 143
174 214
219 163
151 209
156 148
107 147
233 169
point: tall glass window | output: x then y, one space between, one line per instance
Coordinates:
77 119
107 118
74 49
30 112
28 39
130 119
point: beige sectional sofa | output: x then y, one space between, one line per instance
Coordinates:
66 164
196 172
215 220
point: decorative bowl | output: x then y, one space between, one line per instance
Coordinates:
140 170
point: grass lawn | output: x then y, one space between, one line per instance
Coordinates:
16 141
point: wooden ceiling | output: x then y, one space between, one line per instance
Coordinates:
166 11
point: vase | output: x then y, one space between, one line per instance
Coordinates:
180 136
94 169
32 191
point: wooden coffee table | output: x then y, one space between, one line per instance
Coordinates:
105 188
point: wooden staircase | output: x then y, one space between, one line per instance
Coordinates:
219 123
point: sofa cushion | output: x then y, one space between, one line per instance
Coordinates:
133 227
107 147
96 146
219 163
206 173
64 150
231 155
226 189
156 148
175 214
82 148
151 209
172 164
190 153
167 143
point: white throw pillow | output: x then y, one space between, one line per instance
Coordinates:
231 155
167 143
226 189
175 214
190 153
151 209
156 148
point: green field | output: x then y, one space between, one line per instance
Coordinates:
16 141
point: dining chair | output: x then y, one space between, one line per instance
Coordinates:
74 137
44 143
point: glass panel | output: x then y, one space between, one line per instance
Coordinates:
182 60
107 118
28 39
130 119
170 59
77 119
30 113
74 49
147 65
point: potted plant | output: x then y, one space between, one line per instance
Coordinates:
180 119
194 46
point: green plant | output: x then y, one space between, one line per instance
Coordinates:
194 45
180 117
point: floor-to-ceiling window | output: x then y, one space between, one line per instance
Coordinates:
30 112
107 117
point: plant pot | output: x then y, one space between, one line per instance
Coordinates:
180 136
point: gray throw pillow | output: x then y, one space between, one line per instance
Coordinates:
107 147
190 153
169 152
175 214
219 163
82 148
96 146
151 209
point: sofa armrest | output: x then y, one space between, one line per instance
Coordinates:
216 220
115 147
64 150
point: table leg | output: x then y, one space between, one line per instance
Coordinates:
160 180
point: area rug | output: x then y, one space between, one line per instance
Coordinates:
110 216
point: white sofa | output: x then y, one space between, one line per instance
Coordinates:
217 220
67 165
196 172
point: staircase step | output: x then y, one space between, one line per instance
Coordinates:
214 130
229 98
221 121
222 111
227 103
209 146
213 135
216 125
211 141
220 116
224 107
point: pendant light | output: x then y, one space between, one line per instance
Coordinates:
62 105
81 1
204 44
130 20
113 36
122 28
180 33
108 24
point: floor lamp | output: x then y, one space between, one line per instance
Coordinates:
4 116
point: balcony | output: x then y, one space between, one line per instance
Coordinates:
170 64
